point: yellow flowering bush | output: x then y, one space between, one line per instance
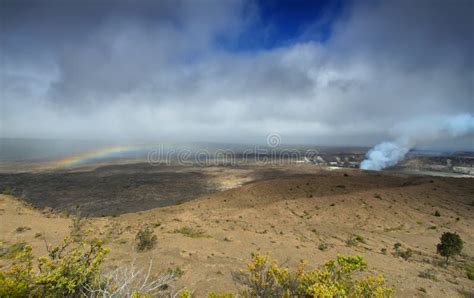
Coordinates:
64 272
215 295
16 281
73 270
264 277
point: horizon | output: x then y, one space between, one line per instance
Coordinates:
66 151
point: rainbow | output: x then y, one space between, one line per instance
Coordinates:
89 156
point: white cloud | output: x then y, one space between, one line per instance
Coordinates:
132 76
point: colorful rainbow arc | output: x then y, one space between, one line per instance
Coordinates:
94 155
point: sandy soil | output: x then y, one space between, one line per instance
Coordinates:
289 217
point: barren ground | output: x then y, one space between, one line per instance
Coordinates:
288 211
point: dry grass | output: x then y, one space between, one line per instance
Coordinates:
191 232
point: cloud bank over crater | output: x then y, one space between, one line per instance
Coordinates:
164 70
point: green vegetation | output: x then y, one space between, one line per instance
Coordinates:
74 270
406 254
145 239
215 295
22 229
10 251
323 246
469 271
428 274
421 289
190 232
76 227
64 272
7 191
398 228
451 245
398 252
469 268
264 277
354 240
175 271
397 246
121 241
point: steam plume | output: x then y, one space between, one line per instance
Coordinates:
410 134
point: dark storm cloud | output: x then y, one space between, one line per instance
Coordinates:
156 69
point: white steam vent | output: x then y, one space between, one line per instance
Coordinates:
413 133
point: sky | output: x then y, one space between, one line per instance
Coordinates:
314 72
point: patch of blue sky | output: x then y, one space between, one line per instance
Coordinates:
282 23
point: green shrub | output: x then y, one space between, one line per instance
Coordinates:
451 244
397 246
265 278
354 240
406 254
7 190
184 294
323 246
145 239
428 274
398 252
190 232
64 272
121 241
397 228
16 281
74 270
11 251
22 229
76 228
469 268
216 295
